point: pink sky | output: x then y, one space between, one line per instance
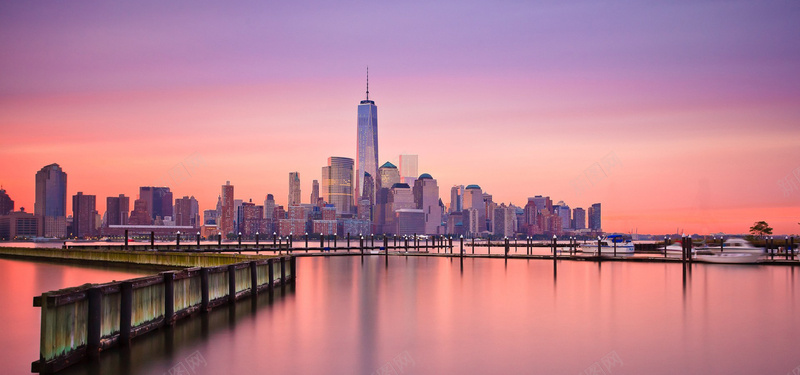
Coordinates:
697 103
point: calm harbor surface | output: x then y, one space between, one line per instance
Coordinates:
425 315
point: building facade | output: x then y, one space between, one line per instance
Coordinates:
51 200
337 183
367 143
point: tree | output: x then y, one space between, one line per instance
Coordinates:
760 228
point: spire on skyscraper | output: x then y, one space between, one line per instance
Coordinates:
367 82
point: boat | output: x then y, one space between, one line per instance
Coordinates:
736 245
607 245
728 257
46 239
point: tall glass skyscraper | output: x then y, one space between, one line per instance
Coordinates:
367 147
51 200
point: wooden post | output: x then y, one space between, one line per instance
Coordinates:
152 239
95 297
473 245
555 250
335 241
204 289
198 240
791 246
614 240
169 297
126 239
306 238
461 245
283 270
599 249
665 246
293 268
386 244
125 310
450 242
271 273
361 244
253 278
321 241
231 283
178 241
506 247
219 240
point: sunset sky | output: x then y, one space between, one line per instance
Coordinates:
674 114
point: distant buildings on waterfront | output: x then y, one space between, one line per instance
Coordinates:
352 196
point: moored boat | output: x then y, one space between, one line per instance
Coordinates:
608 245
728 257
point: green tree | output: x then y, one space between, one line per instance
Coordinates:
761 228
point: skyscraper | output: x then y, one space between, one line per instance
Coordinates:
409 168
426 196
578 218
389 175
159 201
117 209
84 213
314 192
227 209
294 189
51 200
6 204
456 196
367 146
595 223
187 212
473 198
337 183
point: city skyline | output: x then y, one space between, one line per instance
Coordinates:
654 125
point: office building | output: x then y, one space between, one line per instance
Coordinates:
367 144
159 201
294 189
337 183
84 215
409 168
389 175
578 218
117 209
51 200
227 210
595 223
426 197
6 204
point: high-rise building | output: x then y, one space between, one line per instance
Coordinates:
159 201
400 197
389 175
367 146
426 196
294 189
456 196
84 214
51 200
595 223
314 193
368 192
505 221
19 224
337 183
409 168
227 207
6 204
563 212
578 218
473 198
117 209
269 206
187 212
139 215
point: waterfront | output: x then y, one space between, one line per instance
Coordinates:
348 316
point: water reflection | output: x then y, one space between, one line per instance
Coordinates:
356 315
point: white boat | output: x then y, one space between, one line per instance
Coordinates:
736 245
728 257
607 245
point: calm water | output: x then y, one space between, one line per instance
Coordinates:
420 315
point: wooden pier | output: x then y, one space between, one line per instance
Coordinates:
85 320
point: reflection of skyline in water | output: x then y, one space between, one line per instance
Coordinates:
356 314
